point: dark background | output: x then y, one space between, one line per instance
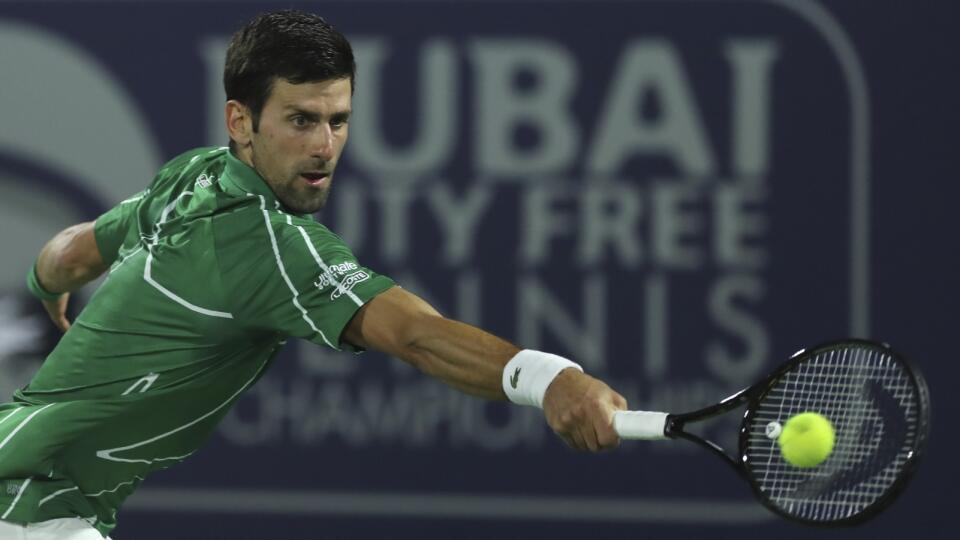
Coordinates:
908 56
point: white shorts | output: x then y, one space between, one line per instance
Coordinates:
55 529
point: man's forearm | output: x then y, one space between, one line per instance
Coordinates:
578 407
70 260
463 356
402 324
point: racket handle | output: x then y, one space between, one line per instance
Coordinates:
642 425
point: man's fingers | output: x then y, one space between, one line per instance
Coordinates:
60 321
586 437
607 437
577 439
57 309
580 410
619 402
63 324
595 428
589 436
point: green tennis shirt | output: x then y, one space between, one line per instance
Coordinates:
209 275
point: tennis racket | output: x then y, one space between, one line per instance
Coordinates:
877 402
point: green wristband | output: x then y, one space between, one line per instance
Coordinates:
36 289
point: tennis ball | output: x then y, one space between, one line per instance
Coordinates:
807 439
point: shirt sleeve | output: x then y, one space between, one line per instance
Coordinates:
112 228
314 285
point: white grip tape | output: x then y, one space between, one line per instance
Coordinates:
643 425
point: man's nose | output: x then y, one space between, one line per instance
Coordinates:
323 143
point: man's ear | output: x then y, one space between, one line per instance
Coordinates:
239 122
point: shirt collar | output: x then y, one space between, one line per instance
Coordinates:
243 179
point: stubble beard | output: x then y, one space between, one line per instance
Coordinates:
305 200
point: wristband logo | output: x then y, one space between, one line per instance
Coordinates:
515 378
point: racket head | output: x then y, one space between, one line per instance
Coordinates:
878 403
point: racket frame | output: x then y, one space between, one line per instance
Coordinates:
751 396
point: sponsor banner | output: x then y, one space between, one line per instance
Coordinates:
671 201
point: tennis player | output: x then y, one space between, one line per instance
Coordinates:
210 269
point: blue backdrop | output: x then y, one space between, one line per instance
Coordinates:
676 194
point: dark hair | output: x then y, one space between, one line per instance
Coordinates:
292 45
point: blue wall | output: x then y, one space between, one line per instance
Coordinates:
677 194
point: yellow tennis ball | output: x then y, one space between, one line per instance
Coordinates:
807 439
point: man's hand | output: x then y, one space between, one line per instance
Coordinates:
579 409
57 309
68 261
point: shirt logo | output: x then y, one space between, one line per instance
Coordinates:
322 282
205 180
348 283
334 272
342 268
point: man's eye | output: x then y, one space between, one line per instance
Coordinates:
300 121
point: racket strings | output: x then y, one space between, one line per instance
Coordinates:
871 400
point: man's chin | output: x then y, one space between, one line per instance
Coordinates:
305 206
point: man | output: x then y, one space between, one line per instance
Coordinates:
211 269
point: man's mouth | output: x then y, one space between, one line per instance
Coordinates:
315 178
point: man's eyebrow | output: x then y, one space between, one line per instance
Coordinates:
315 117
312 116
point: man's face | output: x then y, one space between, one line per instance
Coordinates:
303 129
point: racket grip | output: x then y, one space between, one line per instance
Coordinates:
641 425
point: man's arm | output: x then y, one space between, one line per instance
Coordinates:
67 262
579 408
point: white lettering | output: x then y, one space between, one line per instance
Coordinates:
751 62
458 218
651 69
395 198
742 367
673 222
437 90
538 309
738 219
611 215
541 222
656 317
501 107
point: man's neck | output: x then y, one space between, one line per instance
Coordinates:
244 154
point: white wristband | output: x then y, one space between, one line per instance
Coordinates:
528 374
